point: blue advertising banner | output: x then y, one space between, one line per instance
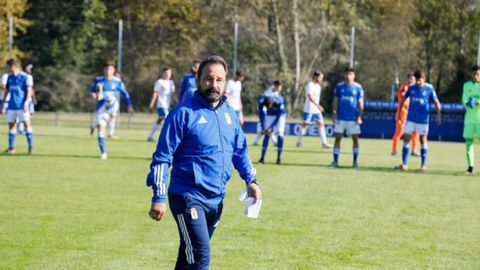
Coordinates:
379 122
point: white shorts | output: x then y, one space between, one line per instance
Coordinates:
20 115
104 114
351 126
410 127
279 128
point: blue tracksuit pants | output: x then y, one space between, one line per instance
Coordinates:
196 222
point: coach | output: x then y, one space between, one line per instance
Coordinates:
201 139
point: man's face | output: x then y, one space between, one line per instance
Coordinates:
194 68
411 79
476 75
109 71
278 88
13 68
350 76
420 81
240 78
167 74
319 78
212 82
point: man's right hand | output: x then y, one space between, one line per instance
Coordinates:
157 211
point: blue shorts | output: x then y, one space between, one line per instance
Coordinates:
162 112
312 117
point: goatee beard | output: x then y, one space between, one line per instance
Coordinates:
210 94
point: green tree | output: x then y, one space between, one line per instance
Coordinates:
15 9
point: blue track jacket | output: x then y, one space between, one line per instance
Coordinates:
201 143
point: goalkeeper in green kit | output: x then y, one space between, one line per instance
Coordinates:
471 99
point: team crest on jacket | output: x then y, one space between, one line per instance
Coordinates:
193 213
228 118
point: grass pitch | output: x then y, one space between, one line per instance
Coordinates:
64 208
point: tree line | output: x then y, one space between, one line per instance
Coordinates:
67 42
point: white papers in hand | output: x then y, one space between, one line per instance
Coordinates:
252 208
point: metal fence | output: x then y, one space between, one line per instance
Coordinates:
80 119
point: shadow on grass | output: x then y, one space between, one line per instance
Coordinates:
369 168
73 156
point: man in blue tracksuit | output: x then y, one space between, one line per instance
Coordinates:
201 139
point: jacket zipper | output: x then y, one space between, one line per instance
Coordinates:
223 152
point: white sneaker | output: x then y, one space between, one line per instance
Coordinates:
103 156
326 145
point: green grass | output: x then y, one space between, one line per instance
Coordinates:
64 208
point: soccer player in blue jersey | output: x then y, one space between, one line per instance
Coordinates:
188 86
420 94
19 86
201 139
272 114
347 113
103 91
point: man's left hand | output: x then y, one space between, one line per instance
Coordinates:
130 110
359 120
254 191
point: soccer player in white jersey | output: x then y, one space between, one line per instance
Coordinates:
19 86
233 91
103 91
312 110
162 94
3 96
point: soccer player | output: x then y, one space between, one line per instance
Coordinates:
233 92
312 110
103 91
420 95
347 113
201 139
268 92
401 117
471 99
19 86
188 85
3 96
162 94
272 114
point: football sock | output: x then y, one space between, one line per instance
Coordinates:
101 142
405 152
279 146
470 153
301 132
273 138
396 137
111 124
423 153
259 135
12 133
336 153
355 154
323 135
154 129
30 136
265 145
